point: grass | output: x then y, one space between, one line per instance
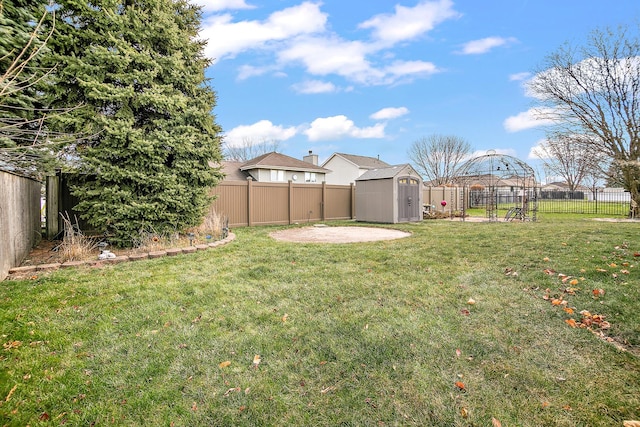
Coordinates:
347 334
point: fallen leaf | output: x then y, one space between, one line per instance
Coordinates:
624 271
194 406
231 390
471 301
598 292
495 422
44 417
464 412
574 282
568 310
571 322
460 385
613 265
256 360
630 423
556 301
545 259
465 312
458 352
12 344
284 318
225 364
11 393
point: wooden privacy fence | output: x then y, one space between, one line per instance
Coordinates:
20 226
248 203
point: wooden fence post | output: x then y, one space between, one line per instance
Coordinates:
52 206
290 200
249 204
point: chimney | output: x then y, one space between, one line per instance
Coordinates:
311 158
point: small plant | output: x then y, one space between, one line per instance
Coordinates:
75 245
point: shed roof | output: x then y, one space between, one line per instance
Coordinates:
275 160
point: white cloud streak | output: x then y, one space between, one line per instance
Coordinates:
410 22
389 113
217 5
226 38
314 86
262 130
329 128
476 47
526 120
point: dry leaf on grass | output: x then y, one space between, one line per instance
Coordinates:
256 361
630 423
224 364
495 422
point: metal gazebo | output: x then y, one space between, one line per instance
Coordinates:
500 183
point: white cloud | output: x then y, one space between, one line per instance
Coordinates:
314 86
331 55
259 131
246 71
410 22
525 120
538 152
518 77
324 56
327 128
227 38
217 5
475 47
389 113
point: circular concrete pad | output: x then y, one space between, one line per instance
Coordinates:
325 234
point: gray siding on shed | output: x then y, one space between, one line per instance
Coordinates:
377 195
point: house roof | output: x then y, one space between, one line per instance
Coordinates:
275 160
384 173
363 162
232 172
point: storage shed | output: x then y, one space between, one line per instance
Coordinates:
389 195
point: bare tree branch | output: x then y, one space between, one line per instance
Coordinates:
594 90
437 157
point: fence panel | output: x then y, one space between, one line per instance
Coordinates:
604 202
260 203
20 222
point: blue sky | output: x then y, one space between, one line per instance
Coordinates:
369 77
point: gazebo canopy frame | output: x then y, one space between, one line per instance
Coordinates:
501 181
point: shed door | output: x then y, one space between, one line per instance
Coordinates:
409 200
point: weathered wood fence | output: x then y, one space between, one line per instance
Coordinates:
20 227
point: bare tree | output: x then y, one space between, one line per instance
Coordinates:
570 157
249 149
437 157
594 90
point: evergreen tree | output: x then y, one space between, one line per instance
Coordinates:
24 141
137 68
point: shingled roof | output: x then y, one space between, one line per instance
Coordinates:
275 160
363 162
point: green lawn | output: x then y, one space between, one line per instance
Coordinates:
377 334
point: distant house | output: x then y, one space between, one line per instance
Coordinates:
276 167
347 168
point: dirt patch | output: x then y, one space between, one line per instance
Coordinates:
326 234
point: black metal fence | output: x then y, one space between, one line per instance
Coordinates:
610 202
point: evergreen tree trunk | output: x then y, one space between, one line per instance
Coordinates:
138 69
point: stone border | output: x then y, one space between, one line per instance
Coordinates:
119 259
